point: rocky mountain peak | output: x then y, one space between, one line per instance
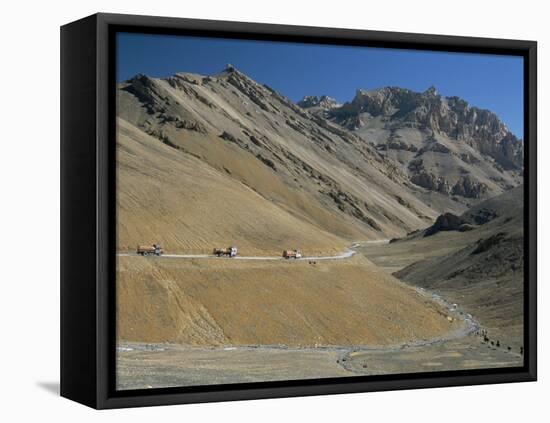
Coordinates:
324 102
433 113
431 92
231 72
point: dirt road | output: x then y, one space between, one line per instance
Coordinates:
343 255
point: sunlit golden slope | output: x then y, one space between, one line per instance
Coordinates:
238 302
170 197
315 170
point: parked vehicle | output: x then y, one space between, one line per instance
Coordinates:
229 251
294 254
145 250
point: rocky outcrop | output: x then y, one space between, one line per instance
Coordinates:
229 137
435 147
351 205
395 142
323 102
469 158
430 181
445 222
247 87
188 124
469 188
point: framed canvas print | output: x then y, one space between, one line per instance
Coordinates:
255 211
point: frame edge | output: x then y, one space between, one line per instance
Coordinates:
104 397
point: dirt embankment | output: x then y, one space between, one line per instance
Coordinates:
225 302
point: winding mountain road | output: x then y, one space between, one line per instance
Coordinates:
343 255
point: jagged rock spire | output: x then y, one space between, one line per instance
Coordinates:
431 91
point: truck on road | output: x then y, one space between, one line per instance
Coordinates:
145 250
295 254
229 251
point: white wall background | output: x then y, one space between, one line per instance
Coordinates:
29 212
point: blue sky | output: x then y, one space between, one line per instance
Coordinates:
487 81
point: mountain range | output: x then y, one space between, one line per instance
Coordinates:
315 173
442 143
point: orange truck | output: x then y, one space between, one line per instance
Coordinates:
295 254
229 251
145 250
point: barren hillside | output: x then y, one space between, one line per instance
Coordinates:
215 302
175 199
475 260
318 172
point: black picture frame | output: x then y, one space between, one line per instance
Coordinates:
87 210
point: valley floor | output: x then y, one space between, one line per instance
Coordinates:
495 301
143 366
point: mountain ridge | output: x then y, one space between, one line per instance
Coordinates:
392 116
391 100
287 154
